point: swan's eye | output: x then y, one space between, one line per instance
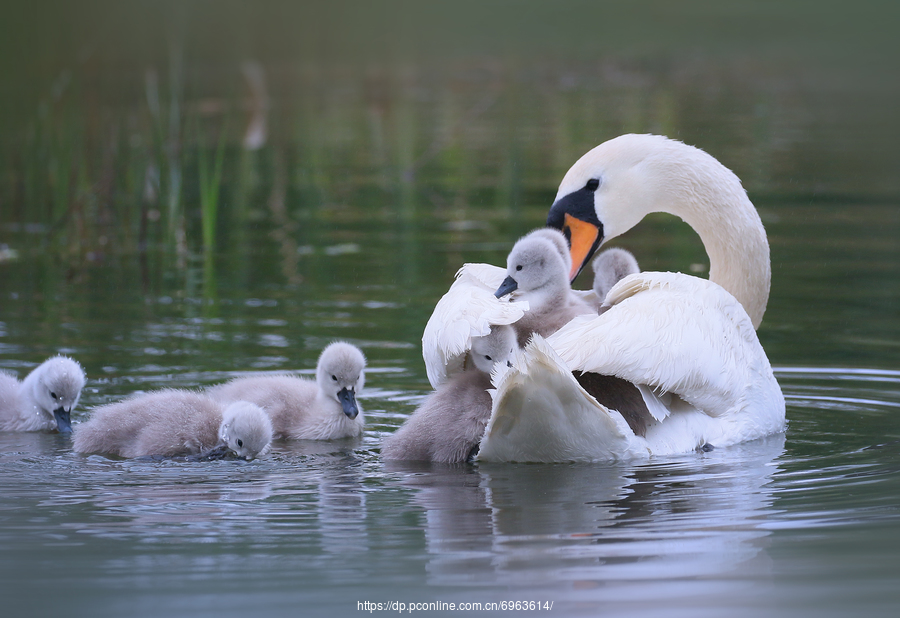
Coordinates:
592 184
334 378
240 443
52 394
519 267
488 357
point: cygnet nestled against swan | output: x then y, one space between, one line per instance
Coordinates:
448 426
173 423
681 353
537 274
44 400
610 267
301 409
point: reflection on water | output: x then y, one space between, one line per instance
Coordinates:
737 529
599 529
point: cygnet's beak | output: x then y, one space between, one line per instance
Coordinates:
509 285
509 363
63 420
348 402
218 452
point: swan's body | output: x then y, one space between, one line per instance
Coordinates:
449 425
324 409
686 344
172 423
44 400
694 390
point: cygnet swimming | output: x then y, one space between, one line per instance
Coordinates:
173 423
301 409
537 273
44 400
449 425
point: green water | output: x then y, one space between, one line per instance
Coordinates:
400 143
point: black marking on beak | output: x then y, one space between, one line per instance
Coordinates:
63 420
509 363
509 285
348 402
578 208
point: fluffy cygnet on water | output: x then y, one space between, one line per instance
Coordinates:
172 423
44 400
326 409
537 273
449 425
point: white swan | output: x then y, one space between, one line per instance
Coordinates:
45 398
172 423
302 409
674 361
449 425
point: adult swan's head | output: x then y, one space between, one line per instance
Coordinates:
612 187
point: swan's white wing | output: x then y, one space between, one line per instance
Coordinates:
670 334
677 334
467 310
541 414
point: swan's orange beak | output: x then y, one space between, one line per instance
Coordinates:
584 238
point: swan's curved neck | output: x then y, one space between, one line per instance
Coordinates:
634 175
718 209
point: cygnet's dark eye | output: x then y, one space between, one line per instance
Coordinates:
488 357
240 443
519 267
592 184
334 378
52 394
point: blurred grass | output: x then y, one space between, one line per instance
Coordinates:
112 112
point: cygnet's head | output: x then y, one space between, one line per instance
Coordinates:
340 374
534 264
558 239
56 386
246 429
610 267
497 347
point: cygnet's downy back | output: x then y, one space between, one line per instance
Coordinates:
44 400
174 423
303 409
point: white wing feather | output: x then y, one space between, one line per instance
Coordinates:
669 334
467 310
541 414
676 334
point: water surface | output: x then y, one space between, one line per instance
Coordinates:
379 176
